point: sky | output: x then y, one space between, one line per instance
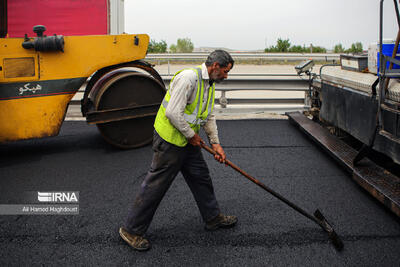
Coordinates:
256 24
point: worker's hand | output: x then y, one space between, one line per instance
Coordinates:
196 140
220 156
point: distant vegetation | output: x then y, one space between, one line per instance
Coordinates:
157 47
283 46
355 48
183 45
338 48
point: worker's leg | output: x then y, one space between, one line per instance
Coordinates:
167 161
197 176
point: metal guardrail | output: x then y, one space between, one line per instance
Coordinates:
246 56
235 92
258 82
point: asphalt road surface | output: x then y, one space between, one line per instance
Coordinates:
268 233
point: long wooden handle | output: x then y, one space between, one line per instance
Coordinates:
236 168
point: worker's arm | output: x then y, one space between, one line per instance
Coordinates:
210 127
212 133
181 91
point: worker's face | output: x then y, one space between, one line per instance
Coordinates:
218 73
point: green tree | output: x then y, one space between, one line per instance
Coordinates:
172 48
296 49
355 48
271 49
157 47
184 45
338 48
282 45
318 49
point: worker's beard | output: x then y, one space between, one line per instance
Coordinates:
214 77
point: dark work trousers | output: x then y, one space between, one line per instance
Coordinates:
168 160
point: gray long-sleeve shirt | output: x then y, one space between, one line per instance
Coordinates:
183 92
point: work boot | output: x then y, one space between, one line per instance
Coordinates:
136 241
221 221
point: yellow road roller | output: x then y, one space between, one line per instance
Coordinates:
40 74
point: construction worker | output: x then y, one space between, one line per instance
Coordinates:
187 105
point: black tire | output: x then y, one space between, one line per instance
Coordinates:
129 89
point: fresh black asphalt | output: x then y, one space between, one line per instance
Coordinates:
268 233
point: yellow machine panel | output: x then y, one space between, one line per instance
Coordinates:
82 55
40 117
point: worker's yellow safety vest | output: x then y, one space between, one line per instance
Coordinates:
192 114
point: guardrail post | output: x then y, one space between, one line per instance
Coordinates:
307 100
222 100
